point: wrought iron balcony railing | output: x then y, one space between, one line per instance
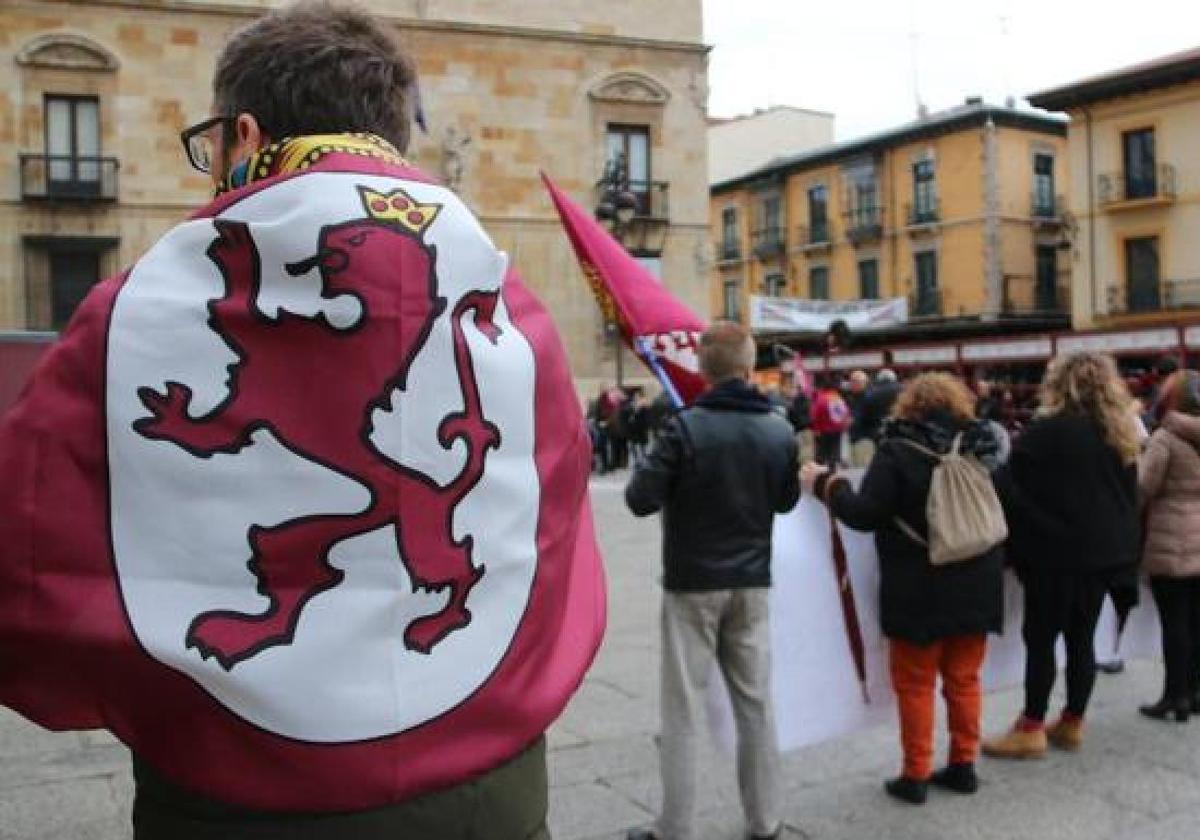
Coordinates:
922 213
925 304
814 236
729 250
1047 208
68 178
864 224
1120 187
1164 296
652 198
1025 296
769 242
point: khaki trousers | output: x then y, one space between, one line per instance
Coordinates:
730 627
861 453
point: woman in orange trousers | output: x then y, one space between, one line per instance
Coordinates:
936 618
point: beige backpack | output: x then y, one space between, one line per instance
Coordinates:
963 510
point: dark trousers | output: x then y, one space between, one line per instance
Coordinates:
1178 602
1067 605
508 803
829 448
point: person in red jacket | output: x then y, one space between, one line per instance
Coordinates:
830 420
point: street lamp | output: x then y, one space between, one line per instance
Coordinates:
618 204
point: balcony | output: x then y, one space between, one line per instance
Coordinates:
923 214
1025 297
651 198
68 178
1119 190
925 304
814 236
864 224
1144 298
769 242
1047 209
729 250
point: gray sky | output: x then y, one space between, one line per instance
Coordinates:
855 57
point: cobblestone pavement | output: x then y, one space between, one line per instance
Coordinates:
1135 779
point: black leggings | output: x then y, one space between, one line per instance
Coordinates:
1067 605
1178 602
829 448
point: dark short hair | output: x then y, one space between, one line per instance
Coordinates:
316 67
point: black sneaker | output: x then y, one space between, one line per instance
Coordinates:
907 790
641 834
959 778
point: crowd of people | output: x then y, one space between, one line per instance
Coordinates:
1095 489
621 423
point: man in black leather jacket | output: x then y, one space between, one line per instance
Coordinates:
719 473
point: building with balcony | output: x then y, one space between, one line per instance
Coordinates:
1135 192
960 213
92 171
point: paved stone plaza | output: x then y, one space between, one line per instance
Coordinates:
1134 780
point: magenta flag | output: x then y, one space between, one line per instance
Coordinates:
653 322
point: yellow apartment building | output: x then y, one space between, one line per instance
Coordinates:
95 93
958 215
1134 193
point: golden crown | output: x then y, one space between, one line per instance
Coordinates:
399 209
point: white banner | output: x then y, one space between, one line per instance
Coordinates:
776 314
814 682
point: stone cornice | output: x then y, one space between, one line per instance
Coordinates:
215 7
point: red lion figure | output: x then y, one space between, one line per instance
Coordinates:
383 262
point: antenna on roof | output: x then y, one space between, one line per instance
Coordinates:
922 110
1005 51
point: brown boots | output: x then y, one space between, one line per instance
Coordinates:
1028 738
1067 734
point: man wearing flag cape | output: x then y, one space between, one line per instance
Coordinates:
297 505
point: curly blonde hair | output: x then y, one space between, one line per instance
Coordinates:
1089 384
933 392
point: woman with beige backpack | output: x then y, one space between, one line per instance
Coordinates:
938 530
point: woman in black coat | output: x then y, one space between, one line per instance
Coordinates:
1070 496
936 618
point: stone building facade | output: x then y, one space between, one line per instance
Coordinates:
97 91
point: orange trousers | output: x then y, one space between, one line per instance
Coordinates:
915 669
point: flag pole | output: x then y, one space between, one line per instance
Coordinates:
642 345
849 608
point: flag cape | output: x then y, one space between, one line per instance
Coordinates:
297 506
652 322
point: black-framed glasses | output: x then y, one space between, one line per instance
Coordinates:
198 143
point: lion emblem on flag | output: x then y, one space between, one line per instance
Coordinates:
322 420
